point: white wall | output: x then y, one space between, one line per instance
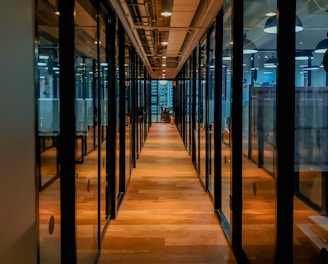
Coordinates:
18 236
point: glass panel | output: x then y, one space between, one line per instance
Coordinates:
128 157
165 92
258 108
139 91
311 133
211 87
202 111
117 152
226 113
155 111
197 111
87 91
104 89
188 107
47 92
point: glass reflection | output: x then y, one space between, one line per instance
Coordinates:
89 89
188 106
258 133
196 132
103 94
47 110
128 134
202 111
226 114
311 134
211 87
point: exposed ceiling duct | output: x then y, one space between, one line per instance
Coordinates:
186 25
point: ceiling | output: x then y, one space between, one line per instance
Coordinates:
190 19
146 28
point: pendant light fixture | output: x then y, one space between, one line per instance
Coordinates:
322 46
166 8
249 47
303 55
271 25
271 63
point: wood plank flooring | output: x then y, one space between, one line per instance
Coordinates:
165 217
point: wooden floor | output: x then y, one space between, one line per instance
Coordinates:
165 217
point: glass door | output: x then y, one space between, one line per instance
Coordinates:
311 132
226 116
202 110
102 134
48 112
48 125
258 134
196 132
88 95
211 127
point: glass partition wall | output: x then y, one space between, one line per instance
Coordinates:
47 111
311 131
196 131
259 109
202 114
188 105
103 88
91 113
210 118
127 98
264 197
88 43
226 73
258 134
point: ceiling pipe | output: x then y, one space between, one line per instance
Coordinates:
123 14
146 21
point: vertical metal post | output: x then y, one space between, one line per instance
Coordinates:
285 131
67 131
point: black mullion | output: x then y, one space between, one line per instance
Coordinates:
285 131
67 131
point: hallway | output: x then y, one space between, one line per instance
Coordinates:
165 216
